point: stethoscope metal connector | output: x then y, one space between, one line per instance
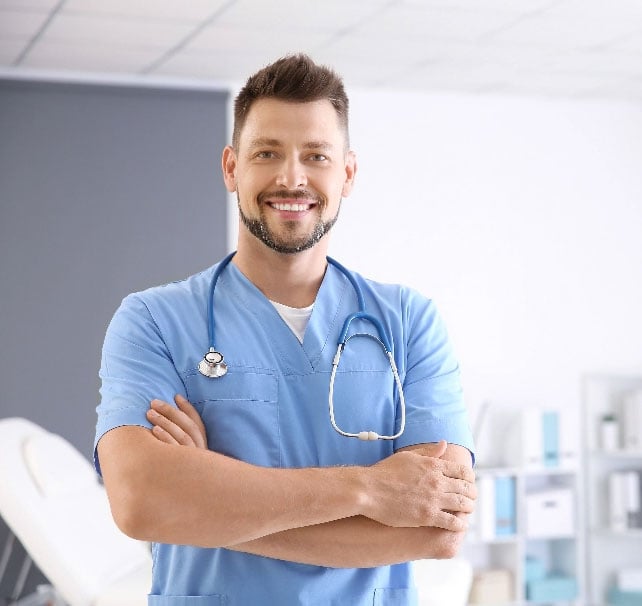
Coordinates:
212 364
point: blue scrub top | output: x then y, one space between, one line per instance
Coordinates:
271 409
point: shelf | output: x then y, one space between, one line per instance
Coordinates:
526 471
617 454
506 540
635 533
607 550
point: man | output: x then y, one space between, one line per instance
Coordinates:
275 506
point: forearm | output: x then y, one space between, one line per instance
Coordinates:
360 542
172 494
356 542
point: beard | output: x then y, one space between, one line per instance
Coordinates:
288 243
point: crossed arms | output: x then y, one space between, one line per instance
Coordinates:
165 486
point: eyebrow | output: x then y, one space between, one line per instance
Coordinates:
269 142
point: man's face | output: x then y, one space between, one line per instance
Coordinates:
290 171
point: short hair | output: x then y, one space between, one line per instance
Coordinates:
295 78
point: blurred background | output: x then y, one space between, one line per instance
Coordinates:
500 173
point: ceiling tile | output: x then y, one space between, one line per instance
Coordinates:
288 16
88 57
213 65
356 49
544 47
115 32
597 11
25 5
509 6
20 23
556 29
397 24
231 39
193 11
10 49
607 63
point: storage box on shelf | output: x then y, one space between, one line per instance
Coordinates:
613 454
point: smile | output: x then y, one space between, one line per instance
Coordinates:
286 206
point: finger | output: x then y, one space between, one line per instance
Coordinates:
160 419
458 471
197 430
449 521
186 406
159 433
457 503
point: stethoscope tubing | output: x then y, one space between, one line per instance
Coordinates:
213 366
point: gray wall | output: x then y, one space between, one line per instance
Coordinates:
104 190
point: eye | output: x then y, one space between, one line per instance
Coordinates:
265 155
318 157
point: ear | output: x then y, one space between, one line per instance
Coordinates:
351 171
228 164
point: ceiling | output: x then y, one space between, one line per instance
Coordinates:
559 48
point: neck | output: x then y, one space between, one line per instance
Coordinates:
290 279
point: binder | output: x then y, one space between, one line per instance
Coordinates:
531 438
550 439
632 499
618 488
505 518
632 417
486 507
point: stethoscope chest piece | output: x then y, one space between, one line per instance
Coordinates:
212 364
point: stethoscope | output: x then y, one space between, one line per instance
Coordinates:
213 364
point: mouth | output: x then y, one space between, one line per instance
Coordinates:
297 207
292 203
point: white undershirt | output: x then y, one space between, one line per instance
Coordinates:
295 317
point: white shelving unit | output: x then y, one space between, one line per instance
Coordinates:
511 443
592 551
559 553
608 550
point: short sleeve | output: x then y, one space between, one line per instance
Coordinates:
136 367
435 408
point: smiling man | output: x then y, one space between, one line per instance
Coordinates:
250 489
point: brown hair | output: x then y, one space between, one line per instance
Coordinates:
293 78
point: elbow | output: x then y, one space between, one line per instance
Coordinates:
129 513
130 480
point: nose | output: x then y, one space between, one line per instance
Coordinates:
291 174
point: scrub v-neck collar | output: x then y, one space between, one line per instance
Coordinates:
324 324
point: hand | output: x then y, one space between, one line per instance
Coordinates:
418 488
182 425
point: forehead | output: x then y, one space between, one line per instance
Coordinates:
292 122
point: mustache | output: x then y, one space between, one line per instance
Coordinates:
295 194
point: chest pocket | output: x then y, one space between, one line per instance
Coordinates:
240 412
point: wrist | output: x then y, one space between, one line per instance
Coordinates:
358 487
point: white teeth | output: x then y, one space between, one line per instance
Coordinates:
290 207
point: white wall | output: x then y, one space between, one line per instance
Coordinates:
522 218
